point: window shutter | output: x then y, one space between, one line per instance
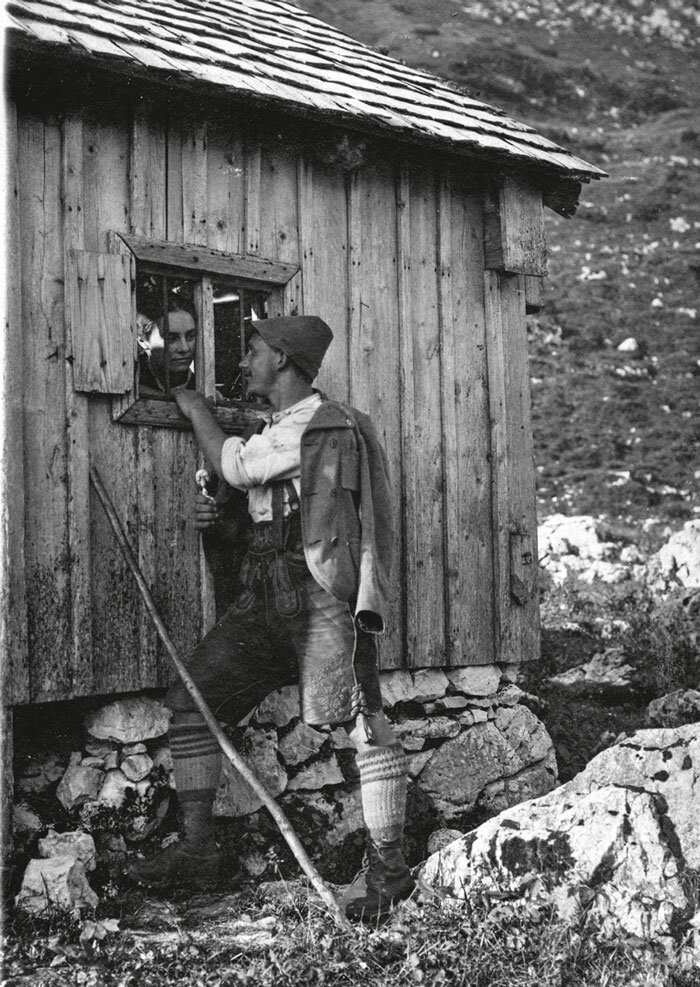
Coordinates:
98 292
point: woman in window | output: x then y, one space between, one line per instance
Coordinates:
181 343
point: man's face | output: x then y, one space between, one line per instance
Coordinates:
181 343
260 367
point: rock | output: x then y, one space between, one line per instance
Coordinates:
416 762
511 672
38 774
76 844
577 536
337 815
677 563
114 789
674 710
162 758
606 572
476 680
661 763
130 749
441 838
100 748
235 797
79 785
136 766
471 716
514 746
279 707
301 744
629 345
341 741
509 696
607 675
446 703
25 821
55 882
397 687
428 684
435 727
317 776
129 721
604 853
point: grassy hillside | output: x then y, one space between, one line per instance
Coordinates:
616 431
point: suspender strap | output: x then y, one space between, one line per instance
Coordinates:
278 515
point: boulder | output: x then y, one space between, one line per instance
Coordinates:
25 821
76 844
129 721
674 710
55 882
235 797
513 751
279 707
301 744
429 684
114 789
317 776
677 563
475 680
79 785
605 853
136 767
37 774
663 763
607 675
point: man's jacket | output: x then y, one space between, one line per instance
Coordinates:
348 511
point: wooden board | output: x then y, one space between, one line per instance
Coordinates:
513 476
323 233
279 226
13 600
423 475
465 423
116 601
522 228
374 343
226 187
47 543
76 418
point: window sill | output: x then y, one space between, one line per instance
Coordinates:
164 413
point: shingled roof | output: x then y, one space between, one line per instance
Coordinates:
285 58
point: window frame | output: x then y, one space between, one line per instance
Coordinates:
201 265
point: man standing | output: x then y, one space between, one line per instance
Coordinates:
314 579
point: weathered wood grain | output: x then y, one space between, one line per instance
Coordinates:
522 227
251 214
183 258
514 528
466 439
226 186
374 337
76 417
13 600
426 596
279 226
47 543
323 235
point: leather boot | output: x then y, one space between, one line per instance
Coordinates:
388 880
194 861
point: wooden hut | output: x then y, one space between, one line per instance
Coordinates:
256 160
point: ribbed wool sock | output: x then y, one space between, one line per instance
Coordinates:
383 784
197 768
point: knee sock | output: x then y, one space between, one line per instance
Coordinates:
197 768
383 784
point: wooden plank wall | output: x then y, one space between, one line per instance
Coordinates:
392 258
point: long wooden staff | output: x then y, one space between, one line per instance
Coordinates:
231 753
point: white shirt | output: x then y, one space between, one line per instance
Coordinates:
274 454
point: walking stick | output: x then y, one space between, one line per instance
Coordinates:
230 752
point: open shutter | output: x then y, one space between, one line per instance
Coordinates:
98 292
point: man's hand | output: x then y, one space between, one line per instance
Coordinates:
206 513
210 437
190 402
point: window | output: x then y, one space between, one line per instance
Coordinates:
153 315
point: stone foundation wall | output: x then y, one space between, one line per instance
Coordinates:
474 748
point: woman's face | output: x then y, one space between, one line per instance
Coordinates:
181 343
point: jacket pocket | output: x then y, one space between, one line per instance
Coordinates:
350 471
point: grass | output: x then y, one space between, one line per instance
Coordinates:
488 942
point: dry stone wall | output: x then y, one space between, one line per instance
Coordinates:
473 747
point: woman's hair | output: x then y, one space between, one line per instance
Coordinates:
178 304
